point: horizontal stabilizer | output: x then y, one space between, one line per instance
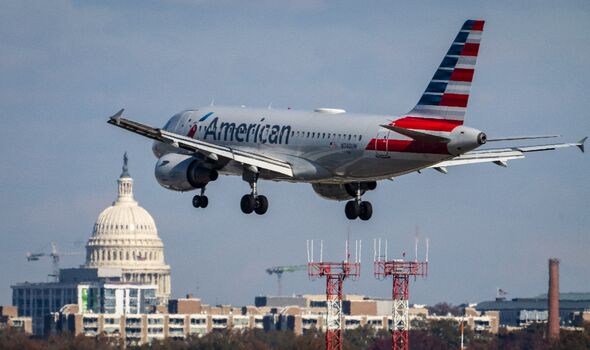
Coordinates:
515 138
417 135
501 156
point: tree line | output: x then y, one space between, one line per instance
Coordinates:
432 335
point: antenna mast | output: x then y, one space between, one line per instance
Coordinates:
335 273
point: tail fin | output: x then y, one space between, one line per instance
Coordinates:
447 94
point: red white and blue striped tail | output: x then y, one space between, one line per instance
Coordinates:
448 92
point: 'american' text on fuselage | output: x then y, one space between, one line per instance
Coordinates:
256 133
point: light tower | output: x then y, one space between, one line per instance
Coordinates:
335 274
401 271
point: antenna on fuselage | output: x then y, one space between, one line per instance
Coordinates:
212 102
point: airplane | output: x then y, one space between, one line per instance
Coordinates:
342 155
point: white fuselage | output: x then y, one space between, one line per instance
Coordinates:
324 146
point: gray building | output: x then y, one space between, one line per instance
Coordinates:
522 311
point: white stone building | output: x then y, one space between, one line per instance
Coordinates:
125 237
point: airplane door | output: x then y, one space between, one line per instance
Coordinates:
381 149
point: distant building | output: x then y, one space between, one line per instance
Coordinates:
9 319
37 300
124 249
125 237
523 311
187 317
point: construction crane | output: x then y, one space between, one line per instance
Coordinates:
54 254
279 270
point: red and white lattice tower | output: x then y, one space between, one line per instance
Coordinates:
401 271
335 274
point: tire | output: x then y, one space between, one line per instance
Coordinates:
197 201
366 211
261 205
204 201
247 203
352 210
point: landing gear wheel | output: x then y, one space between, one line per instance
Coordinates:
261 205
200 201
248 203
366 211
352 210
204 201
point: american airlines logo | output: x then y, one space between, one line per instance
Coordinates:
255 132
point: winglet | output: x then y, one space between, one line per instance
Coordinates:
117 116
581 144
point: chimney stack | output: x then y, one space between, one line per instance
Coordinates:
553 324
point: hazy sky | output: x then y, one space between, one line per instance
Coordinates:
66 65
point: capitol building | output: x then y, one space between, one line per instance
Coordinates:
125 237
124 273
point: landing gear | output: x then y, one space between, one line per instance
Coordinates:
357 208
201 201
253 202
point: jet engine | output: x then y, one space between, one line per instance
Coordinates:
342 192
181 172
465 139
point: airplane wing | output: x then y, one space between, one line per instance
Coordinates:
500 156
206 148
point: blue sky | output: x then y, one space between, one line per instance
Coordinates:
66 65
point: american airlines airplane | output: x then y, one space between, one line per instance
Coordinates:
342 155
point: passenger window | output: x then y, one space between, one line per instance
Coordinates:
349 136
323 135
308 134
292 133
312 135
360 137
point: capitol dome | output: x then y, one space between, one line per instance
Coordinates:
125 236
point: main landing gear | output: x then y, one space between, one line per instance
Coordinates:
357 208
253 202
201 201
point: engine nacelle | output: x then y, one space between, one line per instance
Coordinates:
465 139
181 172
342 192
